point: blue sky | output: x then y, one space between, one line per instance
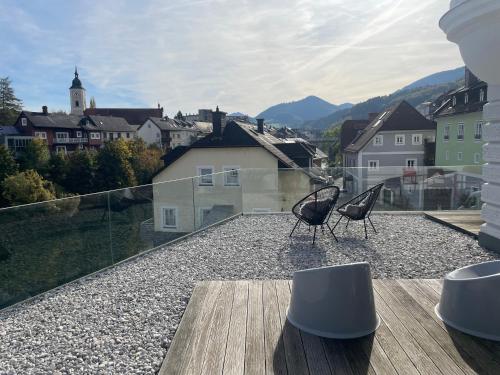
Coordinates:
241 55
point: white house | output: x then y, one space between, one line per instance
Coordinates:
168 133
239 170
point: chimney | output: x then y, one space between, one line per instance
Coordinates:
218 122
260 125
372 116
45 110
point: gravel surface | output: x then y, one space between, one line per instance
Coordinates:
121 321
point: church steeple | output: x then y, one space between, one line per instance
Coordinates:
77 96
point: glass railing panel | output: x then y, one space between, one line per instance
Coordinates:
217 197
131 221
47 244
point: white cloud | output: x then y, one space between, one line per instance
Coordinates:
247 55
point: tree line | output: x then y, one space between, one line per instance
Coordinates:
36 175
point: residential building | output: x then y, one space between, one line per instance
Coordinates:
459 118
111 127
13 139
133 116
218 159
63 133
394 143
168 133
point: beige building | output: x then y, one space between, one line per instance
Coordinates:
238 170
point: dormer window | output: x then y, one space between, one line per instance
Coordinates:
481 95
466 98
454 101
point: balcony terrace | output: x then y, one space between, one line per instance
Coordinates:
123 319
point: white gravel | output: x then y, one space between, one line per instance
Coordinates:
121 321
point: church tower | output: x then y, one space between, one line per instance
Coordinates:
77 96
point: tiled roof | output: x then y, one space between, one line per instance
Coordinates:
111 124
53 120
473 105
173 124
349 131
134 116
399 117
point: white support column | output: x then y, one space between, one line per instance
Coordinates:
474 26
490 231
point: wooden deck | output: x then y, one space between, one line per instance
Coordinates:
240 327
465 221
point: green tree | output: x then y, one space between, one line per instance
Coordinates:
113 166
35 156
334 151
92 102
81 172
179 116
27 187
10 105
8 167
58 168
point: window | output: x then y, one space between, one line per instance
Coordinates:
447 155
460 156
24 121
478 134
411 163
169 217
95 135
62 135
466 98
373 165
79 134
481 95
454 101
128 135
477 158
77 103
149 126
80 146
232 176
41 135
206 178
61 150
460 133
119 135
416 139
400 139
446 133
378 140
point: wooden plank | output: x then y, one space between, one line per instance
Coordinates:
234 362
273 339
480 359
399 359
255 350
435 331
360 363
336 356
189 323
315 353
194 357
213 363
440 358
379 360
420 360
430 292
294 349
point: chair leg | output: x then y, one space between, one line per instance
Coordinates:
331 231
337 223
366 233
348 220
373 226
314 235
296 224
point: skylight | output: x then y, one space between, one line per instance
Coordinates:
377 124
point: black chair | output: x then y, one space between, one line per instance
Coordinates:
316 208
360 207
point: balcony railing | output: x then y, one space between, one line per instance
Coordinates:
71 140
47 244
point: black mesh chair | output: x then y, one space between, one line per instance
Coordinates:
360 207
316 208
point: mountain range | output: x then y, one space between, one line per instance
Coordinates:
296 113
316 113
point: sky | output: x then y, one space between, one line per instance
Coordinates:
243 55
